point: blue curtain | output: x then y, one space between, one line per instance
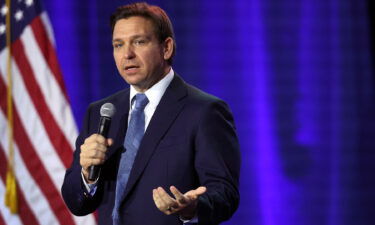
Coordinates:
298 76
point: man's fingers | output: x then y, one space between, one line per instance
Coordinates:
194 194
156 198
200 190
166 198
96 141
110 142
92 147
181 199
164 201
95 138
87 157
160 198
94 153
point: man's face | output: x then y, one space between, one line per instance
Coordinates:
140 57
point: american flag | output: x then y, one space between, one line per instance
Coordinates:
43 125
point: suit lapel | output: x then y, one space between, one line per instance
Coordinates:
169 107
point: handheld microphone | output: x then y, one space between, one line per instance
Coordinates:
106 112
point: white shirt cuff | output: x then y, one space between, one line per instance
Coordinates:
91 188
192 220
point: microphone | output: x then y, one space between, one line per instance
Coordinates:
106 112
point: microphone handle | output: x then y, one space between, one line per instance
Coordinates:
104 124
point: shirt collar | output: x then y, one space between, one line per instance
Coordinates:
155 93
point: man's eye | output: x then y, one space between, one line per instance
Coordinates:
117 45
139 42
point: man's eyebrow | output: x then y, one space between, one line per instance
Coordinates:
140 36
132 37
117 40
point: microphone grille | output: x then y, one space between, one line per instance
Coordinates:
107 110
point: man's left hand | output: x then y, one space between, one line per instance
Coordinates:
183 204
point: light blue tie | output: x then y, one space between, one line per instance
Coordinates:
133 139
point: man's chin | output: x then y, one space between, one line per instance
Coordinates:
137 84
132 80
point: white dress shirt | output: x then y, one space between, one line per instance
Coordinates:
153 94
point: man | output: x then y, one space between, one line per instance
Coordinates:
172 154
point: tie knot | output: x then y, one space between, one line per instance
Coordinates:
141 101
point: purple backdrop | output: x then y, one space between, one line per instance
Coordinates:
298 77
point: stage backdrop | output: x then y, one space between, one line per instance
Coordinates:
297 75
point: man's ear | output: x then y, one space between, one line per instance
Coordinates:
168 48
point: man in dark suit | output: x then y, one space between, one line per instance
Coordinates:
172 153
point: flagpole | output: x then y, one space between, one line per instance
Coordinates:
11 188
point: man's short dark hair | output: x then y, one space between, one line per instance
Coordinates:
162 24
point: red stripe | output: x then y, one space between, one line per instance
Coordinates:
2 222
35 166
58 139
25 213
48 51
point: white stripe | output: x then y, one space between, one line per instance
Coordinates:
52 93
34 127
47 25
10 219
33 195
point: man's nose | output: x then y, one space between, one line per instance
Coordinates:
129 52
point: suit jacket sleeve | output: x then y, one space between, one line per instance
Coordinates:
217 163
75 195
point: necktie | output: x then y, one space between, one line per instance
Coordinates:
133 139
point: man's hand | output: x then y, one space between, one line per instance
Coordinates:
93 152
183 204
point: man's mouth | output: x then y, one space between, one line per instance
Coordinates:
131 67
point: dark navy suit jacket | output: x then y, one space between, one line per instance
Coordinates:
190 142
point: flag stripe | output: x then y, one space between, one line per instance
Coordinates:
34 197
32 122
48 27
57 103
2 222
48 51
25 212
40 175
54 133
4 211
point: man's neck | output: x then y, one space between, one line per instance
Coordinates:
148 86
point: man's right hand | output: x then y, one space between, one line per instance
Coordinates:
93 152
